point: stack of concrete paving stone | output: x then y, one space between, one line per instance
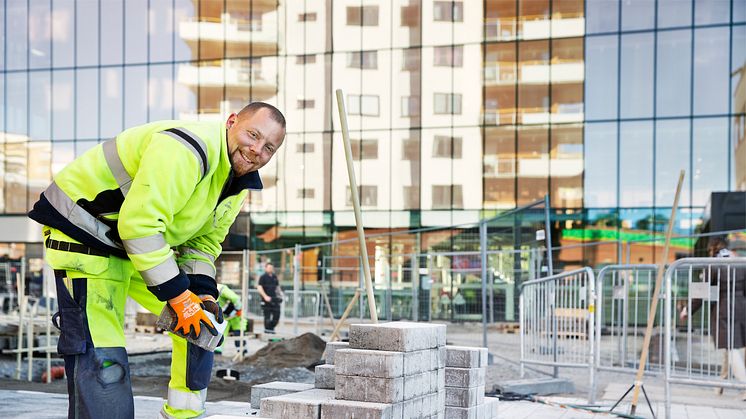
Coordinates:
464 384
391 370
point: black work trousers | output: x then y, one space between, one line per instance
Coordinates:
271 315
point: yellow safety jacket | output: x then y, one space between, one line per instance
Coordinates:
155 188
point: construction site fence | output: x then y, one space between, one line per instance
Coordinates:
557 322
705 312
697 333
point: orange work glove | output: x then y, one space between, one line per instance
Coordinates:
238 313
189 313
209 304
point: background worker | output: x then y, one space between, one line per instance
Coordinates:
112 219
272 296
232 308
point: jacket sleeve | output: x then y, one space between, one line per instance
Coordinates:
165 180
197 255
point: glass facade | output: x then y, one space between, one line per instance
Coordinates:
458 109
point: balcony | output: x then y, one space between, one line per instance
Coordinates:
234 33
559 114
241 79
509 72
213 114
535 27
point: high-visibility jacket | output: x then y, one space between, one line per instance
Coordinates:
154 188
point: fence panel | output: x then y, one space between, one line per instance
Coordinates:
705 314
557 321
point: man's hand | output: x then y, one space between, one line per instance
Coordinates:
209 303
189 312
267 298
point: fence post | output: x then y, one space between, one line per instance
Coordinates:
548 235
416 285
483 255
296 284
245 274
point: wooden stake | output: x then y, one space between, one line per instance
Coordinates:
654 303
356 205
342 319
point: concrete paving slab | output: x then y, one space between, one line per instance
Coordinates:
464 377
324 375
370 363
464 397
397 336
334 409
369 389
331 349
301 405
276 388
538 386
466 357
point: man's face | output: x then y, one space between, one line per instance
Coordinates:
270 269
252 140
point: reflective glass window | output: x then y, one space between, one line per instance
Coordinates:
86 35
499 163
636 164
711 72
738 70
600 161
40 105
39 34
16 41
707 12
63 107
638 14
673 74
602 16
674 13
711 158
87 103
636 76
601 77
110 34
63 33
672 154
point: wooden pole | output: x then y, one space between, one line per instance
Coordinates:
654 303
328 306
356 205
342 319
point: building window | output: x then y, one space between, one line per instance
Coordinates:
447 147
410 106
447 104
364 149
306 193
366 60
307 17
368 195
410 16
448 11
306 103
411 60
362 16
449 56
305 59
447 197
303 148
410 149
366 105
411 197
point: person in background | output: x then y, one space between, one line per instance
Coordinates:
272 296
230 302
729 329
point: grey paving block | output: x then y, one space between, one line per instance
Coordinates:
438 380
275 388
540 386
466 357
369 389
369 363
397 336
464 397
332 348
301 405
335 409
474 412
464 377
416 362
324 376
417 385
491 405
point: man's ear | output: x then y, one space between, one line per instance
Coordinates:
231 120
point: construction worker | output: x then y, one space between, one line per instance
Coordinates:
230 303
143 215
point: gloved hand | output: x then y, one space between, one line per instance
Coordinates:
189 311
238 313
209 303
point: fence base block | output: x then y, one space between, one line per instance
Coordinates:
537 386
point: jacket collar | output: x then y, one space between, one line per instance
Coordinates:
251 181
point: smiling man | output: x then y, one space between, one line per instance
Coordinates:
143 215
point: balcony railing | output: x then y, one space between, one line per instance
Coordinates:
228 29
558 114
534 72
535 27
230 74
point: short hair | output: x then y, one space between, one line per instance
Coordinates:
274 113
268 264
718 242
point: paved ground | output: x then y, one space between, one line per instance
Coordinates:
689 402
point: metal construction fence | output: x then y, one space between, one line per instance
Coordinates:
705 323
699 330
557 322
